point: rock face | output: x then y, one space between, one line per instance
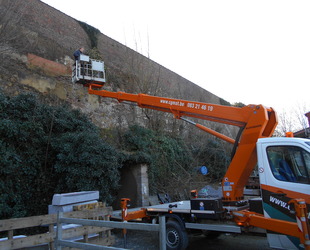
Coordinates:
38 58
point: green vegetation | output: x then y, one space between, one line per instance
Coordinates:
172 162
168 158
238 104
46 150
214 156
224 102
92 33
94 53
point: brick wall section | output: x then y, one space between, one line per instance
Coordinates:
48 66
56 36
59 35
64 30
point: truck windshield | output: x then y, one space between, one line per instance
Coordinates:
289 163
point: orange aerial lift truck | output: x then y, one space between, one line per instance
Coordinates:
283 165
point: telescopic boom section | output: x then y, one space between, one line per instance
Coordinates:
256 121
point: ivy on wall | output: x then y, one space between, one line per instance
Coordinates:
92 33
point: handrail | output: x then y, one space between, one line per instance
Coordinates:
161 228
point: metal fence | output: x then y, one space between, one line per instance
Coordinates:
161 228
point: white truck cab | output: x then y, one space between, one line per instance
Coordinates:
284 172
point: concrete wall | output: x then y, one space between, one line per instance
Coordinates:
141 177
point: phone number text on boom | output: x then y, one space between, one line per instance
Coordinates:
189 105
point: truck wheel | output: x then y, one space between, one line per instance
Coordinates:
176 236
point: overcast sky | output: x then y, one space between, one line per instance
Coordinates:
254 52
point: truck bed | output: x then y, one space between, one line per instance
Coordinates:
175 207
184 207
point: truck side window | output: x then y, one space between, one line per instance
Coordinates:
289 163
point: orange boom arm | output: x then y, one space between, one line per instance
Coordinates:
255 121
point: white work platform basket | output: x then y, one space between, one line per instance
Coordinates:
88 70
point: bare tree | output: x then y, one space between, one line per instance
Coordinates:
142 75
292 120
300 112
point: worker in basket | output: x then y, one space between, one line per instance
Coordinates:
77 54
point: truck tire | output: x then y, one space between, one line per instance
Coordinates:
176 236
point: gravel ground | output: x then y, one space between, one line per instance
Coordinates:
150 241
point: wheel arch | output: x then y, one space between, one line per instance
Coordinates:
177 218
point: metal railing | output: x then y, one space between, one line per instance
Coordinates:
161 228
87 71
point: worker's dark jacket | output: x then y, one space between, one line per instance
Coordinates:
77 54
